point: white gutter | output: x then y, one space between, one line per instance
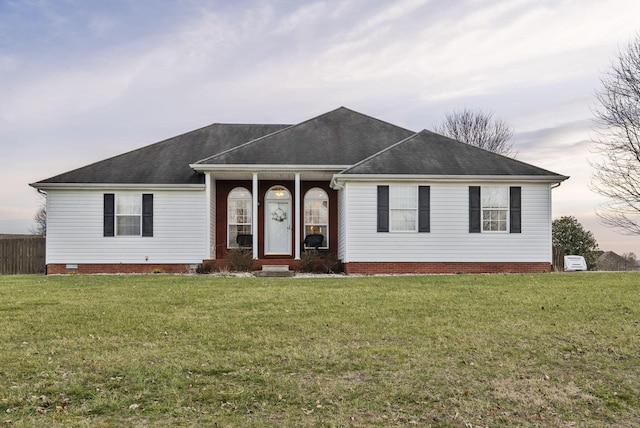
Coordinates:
124 186
338 179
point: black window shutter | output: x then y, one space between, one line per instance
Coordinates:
147 214
424 206
383 208
474 209
515 210
109 214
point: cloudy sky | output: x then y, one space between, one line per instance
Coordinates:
82 80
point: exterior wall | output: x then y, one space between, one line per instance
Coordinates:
449 240
75 230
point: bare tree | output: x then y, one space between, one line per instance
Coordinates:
480 129
632 260
617 173
40 218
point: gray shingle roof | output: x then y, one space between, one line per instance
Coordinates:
428 153
166 162
340 137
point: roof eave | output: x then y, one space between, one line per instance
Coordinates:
265 167
338 179
119 186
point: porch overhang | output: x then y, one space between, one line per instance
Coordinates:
256 173
269 171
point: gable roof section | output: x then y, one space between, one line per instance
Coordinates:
340 137
165 162
429 154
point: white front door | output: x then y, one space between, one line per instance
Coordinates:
278 221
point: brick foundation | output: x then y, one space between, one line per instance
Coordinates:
58 269
444 267
349 268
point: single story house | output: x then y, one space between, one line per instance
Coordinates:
380 198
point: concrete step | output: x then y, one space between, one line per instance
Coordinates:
274 271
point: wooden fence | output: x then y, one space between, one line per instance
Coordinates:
558 259
22 254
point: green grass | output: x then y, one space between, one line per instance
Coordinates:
459 351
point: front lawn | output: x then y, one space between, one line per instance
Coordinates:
459 350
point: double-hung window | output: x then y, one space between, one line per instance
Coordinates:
128 214
404 208
495 209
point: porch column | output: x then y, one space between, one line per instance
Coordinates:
298 227
254 217
210 186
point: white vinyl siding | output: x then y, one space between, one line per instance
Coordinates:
449 239
75 229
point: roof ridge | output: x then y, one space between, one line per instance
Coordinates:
147 146
491 153
189 138
386 149
436 143
299 124
255 140
374 118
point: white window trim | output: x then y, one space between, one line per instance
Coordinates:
483 209
231 245
326 238
415 210
118 215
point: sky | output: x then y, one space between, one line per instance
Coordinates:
83 80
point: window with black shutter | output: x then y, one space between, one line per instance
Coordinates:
128 214
495 209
